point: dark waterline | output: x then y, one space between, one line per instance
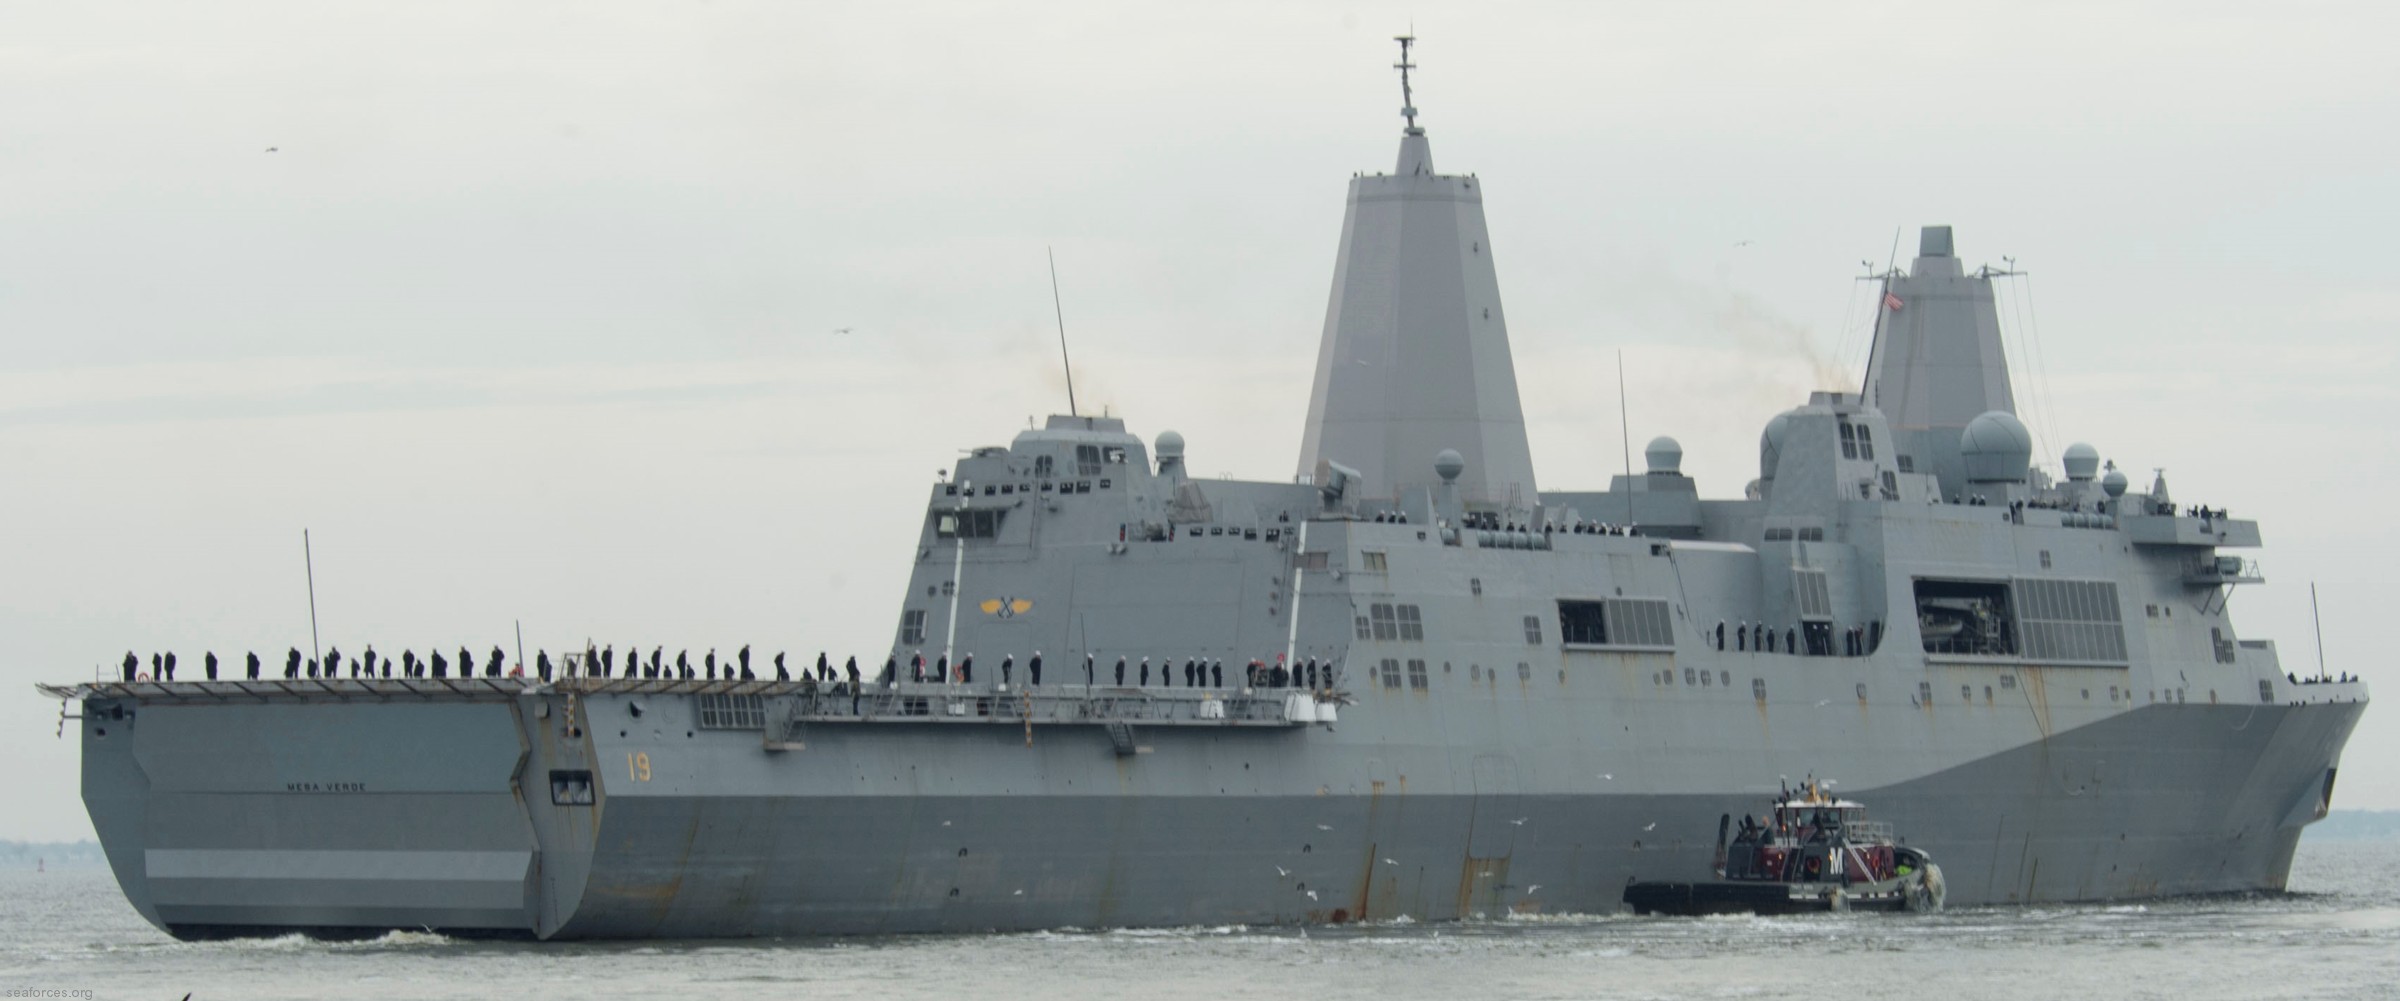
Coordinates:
2336 935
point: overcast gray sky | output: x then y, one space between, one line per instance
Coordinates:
532 313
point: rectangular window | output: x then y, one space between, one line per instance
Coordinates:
1387 624
1849 441
1524 671
1391 673
1313 561
1639 622
912 627
1416 676
1412 624
1866 443
2071 620
1533 630
1042 467
1087 460
969 524
1362 628
1970 617
732 712
1582 622
1370 562
1758 689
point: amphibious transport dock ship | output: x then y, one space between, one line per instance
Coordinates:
1510 700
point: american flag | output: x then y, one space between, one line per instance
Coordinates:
1891 301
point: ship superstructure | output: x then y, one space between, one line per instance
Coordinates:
1408 684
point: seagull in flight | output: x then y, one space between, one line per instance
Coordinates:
1390 862
843 330
1312 894
1824 702
1531 890
1651 826
1281 871
1520 821
1324 827
1743 243
1608 776
272 149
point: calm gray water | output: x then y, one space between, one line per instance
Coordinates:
2337 935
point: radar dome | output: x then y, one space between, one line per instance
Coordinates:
1665 455
1447 464
2082 462
1770 444
1996 448
2114 483
1169 446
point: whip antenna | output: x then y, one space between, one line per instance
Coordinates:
1062 331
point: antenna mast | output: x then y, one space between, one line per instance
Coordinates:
308 558
1062 332
1408 101
1625 437
2319 622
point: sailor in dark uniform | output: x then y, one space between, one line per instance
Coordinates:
491 665
1191 670
252 662
158 667
133 665
170 675
711 661
941 668
312 667
744 657
966 669
824 667
1033 669
1121 669
333 661
211 665
1087 670
1008 668
441 668
291 664
1145 672
850 669
683 664
781 673
608 660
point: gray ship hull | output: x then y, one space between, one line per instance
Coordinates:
434 812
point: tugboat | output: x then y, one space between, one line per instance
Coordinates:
1813 853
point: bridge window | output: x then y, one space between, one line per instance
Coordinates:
1087 460
1849 441
912 627
1041 466
970 524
